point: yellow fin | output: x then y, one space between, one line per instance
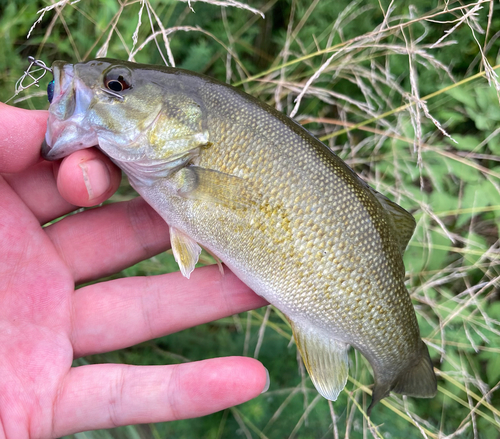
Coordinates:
186 251
325 359
197 183
404 223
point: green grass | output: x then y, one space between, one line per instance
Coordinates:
412 113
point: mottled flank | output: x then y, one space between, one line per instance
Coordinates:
290 218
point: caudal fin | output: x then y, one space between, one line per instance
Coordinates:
417 380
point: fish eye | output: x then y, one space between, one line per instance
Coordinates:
118 84
50 91
116 79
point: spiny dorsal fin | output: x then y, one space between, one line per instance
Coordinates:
197 183
186 251
403 221
325 359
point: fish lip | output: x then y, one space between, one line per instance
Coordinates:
51 154
46 149
66 128
64 137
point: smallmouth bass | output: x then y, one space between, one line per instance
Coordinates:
279 208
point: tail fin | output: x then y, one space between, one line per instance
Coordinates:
417 380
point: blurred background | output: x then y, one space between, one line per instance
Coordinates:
406 93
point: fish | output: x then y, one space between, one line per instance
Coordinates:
233 175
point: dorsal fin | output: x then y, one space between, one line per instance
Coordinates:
404 223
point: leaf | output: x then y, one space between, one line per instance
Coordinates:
492 194
494 145
487 100
494 310
452 117
483 122
443 201
424 253
476 246
493 367
464 172
473 201
198 57
439 247
464 143
463 95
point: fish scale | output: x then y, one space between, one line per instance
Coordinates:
329 196
257 190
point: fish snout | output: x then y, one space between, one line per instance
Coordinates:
64 137
67 130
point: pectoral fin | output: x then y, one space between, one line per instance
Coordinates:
197 183
325 359
186 251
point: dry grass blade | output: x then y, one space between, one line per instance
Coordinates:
231 3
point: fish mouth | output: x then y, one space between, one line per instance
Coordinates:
46 151
67 130
56 152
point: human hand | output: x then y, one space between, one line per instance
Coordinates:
45 323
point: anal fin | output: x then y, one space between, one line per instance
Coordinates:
186 251
325 359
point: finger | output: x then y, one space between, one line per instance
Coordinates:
87 178
21 135
103 241
37 188
123 312
52 189
107 395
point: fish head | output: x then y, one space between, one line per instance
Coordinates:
136 114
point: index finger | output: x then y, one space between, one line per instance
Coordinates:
22 134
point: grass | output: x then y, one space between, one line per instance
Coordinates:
406 93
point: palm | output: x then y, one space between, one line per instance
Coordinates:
45 323
36 352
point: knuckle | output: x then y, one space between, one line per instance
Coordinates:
116 397
146 225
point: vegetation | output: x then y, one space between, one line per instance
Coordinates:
405 92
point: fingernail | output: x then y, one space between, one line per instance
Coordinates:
268 382
96 177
